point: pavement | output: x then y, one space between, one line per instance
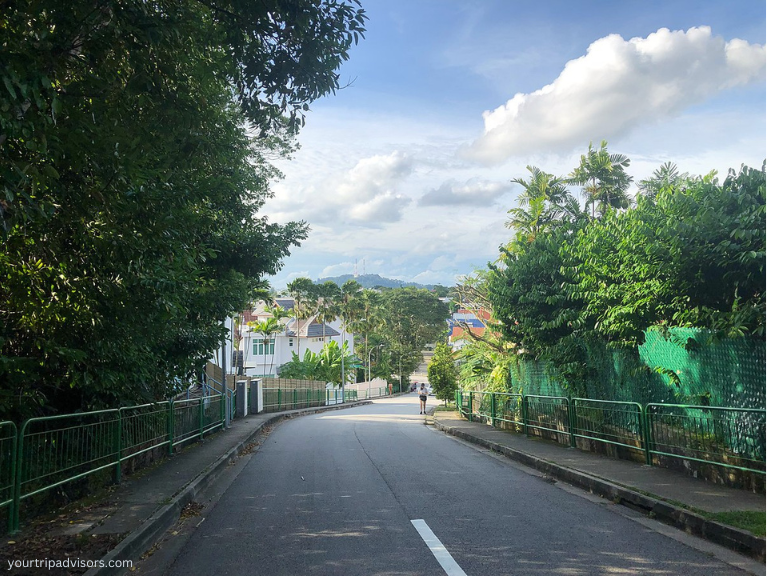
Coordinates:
143 508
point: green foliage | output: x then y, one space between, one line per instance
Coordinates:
414 318
603 179
442 373
694 257
325 367
130 183
690 253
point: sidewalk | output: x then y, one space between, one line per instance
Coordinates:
667 494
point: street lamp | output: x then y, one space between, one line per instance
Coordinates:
369 362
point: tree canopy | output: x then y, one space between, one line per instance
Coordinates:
136 140
690 253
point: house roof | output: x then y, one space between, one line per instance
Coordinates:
309 328
285 303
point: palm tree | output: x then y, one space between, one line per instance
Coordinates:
349 310
302 290
664 176
328 295
603 179
267 328
545 200
371 316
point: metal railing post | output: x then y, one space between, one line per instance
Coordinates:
170 427
201 413
118 447
493 409
525 413
12 477
646 432
571 408
16 506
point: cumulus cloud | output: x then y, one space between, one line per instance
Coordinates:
365 194
616 86
471 193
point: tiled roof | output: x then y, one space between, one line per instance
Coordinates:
309 329
285 303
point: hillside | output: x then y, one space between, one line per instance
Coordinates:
372 281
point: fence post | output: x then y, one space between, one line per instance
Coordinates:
16 506
645 430
279 399
201 413
170 427
525 413
469 412
493 409
295 397
118 440
571 417
13 511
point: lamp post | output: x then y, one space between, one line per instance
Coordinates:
369 361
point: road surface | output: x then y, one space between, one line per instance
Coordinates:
373 491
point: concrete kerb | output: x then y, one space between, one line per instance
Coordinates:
144 537
739 540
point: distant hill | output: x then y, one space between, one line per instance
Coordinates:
372 281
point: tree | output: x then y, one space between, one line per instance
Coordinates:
442 373
694 257
350 311
325 366
545 201
415 318
328 295
267 328
131 182
370 321
604 179
303 292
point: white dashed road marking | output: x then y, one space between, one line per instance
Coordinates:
437 548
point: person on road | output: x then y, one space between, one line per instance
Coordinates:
423 398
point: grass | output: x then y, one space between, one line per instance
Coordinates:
443 408
746 520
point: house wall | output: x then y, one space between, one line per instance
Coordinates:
256 365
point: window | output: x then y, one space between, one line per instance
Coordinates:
260 349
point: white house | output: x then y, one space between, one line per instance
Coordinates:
261 355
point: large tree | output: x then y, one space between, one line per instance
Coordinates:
131 182
604 179
414 318
442 373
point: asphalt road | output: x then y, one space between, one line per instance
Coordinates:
358 491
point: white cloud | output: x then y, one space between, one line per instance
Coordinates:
472 193
617 86
338 269
365 194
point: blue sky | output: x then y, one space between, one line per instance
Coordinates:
407 170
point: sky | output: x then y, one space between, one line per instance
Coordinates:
406 172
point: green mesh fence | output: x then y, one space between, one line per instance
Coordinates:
683 366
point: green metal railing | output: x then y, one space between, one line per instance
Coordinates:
617 423
732 437
547 413
50 451
508 408
729 437
278 399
